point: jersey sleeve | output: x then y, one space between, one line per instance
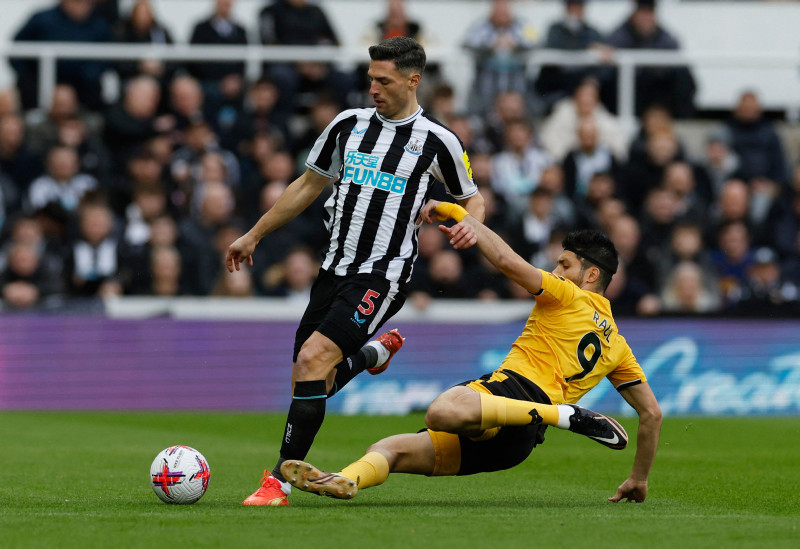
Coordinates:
325 157
452 167
628 372
556 290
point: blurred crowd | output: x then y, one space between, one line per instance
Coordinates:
143 196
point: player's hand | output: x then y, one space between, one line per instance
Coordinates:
241 250
428 209
461 235
631 490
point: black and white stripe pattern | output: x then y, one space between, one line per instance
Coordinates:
384 172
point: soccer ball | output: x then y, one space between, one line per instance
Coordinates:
180 474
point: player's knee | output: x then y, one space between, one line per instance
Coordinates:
311 364
443 415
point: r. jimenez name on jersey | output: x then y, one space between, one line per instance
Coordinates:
571 342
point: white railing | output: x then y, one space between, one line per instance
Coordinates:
460 62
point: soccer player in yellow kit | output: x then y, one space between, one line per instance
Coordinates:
570 342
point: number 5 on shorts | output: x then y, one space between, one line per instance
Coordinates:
368 297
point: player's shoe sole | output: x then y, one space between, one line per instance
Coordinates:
269 493
308 478
392 340
603 429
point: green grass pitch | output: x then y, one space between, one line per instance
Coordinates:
81 480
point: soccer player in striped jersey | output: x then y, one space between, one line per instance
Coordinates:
384 161
569 344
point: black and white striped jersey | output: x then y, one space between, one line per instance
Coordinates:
385 170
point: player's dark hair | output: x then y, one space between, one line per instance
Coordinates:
406 53
592 246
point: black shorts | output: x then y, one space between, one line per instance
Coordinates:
512 444
348 310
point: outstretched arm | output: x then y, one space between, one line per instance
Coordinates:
489 243
642 399
296 198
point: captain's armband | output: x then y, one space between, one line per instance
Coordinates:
448 210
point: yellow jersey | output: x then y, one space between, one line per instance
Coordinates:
570 342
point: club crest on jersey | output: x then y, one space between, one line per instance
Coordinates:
414 147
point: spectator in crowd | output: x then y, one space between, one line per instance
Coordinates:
553 181
673 87
142 27
685 244
430 242
508 107
634 290
18 162
685 291
166 266
26 282
216 207
719 163
260 116
322 112
442 102
69 21
763 165
135 119
93 156
94 262
516 169
10 203
733 205
499 46
141 275
302 23
187 162
644 173
756 142
396 23
559 132
9 101
446 277
784 226
186 102
602 188
679 178
293 277
572 33
767 292
148 205
223 82
658 220
586 159
62 183
531 233
655 119
43 125
790 265
731 259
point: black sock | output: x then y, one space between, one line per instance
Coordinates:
366 357
302 423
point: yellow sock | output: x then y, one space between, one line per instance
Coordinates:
497 411
370 470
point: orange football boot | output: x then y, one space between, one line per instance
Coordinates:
270 493
392 340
